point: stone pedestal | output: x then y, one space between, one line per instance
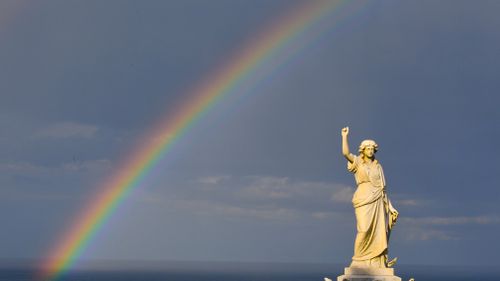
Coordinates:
368 274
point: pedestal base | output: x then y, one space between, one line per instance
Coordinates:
368 274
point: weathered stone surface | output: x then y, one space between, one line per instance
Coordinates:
368 274
368 271
367 278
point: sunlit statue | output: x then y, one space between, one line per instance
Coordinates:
375 215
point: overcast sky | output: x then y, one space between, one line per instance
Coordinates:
260 177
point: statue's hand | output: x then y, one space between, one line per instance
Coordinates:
345 131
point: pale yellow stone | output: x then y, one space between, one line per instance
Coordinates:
368 274
368 271
368 278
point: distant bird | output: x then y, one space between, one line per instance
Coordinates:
328 279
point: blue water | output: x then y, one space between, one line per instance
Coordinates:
269 272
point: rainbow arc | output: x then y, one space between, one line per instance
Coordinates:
171 128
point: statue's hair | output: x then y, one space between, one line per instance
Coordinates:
367 143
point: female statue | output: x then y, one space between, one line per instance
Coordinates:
375 215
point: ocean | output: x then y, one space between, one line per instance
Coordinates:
253 272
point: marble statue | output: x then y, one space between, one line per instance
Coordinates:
375 215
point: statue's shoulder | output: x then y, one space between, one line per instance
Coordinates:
353 166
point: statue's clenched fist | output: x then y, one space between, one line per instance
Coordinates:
345 131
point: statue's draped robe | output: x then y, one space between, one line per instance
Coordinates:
375 215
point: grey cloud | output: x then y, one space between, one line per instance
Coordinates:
98 165
205 207
12 194
408 202
268 187
265 197
326 215
485 220
28 182
67 130
440 228
212 179
343 195
26 168
425 234
22 168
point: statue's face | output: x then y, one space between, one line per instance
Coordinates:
369 151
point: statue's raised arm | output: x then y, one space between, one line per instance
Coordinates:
345 145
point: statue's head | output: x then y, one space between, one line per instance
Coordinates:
368 148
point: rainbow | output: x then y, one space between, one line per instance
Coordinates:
263 48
